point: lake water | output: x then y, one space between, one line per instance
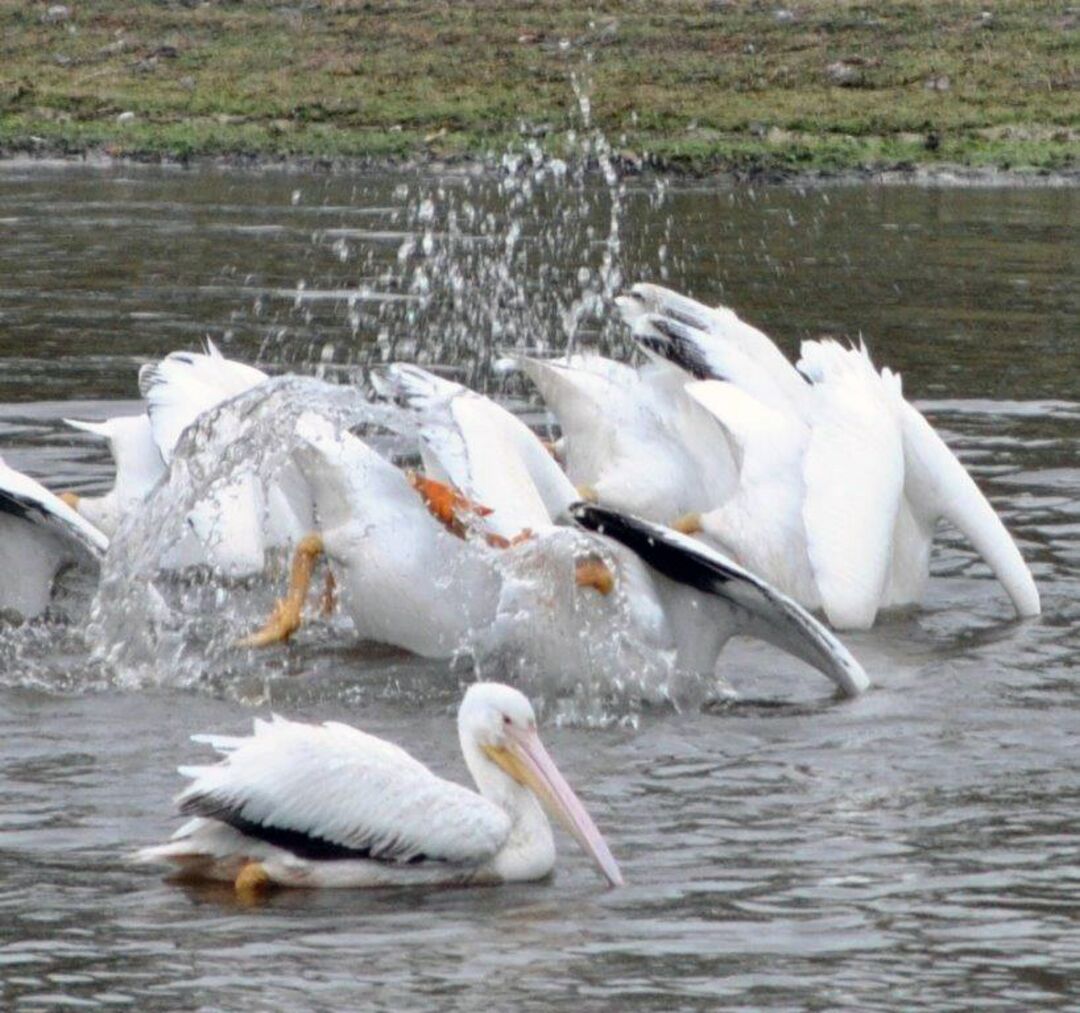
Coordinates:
916 848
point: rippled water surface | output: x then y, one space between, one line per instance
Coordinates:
916 848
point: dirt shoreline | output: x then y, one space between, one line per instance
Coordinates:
933 174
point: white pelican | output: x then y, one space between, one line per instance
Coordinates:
329 806
838 482
229 530
407 579
39 535
176 390
506 583
491 455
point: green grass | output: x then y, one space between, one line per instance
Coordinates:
698 85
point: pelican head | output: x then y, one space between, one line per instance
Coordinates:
497 727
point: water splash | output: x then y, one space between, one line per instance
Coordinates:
480 268
155 617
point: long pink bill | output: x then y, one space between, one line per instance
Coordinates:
561 802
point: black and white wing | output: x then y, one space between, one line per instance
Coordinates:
30 501
759 609
712 343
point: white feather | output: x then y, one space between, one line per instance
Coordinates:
39 534
341 785
936 485
727 329
853 469
403 578
139 466
485 451
634 438
183 385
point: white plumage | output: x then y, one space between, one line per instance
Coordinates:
827 483
183 385
329 805
39 535
483 450
240 518
346 787
405 580
632 438
139 466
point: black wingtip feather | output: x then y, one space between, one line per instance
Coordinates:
678 343
641 538
310 847
766 612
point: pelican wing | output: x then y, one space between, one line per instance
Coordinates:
139 463
332 791
726 334
485 450
511 470
633 436
428 398
854 474
936 485
703 356
763 442
589 397
759 609
23 498
184 385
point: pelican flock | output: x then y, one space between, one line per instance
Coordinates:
715 489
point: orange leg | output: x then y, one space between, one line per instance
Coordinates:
284 621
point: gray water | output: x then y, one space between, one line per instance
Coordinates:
916 848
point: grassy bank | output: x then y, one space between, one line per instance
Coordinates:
698 85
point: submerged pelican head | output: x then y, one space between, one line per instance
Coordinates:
497 727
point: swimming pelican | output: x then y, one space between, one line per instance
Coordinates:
327 805
829 484
407 579
39 535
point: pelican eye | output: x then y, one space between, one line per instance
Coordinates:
507 720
